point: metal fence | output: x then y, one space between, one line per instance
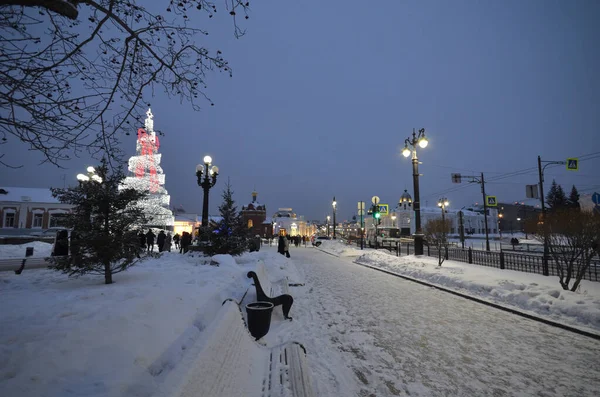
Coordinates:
522 262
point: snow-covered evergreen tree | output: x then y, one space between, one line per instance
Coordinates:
574 198
104 222
146 175
230 234
556 197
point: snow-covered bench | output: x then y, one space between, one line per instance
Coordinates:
276 293
231 363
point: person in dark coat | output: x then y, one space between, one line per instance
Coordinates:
160 240
142 238
186 240
281 245
150 240
286 247
167 245
176 239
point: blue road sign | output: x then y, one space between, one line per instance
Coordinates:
596 198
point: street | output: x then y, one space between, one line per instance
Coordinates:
401 338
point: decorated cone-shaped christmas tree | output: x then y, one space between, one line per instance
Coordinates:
145 174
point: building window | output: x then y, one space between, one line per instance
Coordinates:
9 219
250 223
54 221
37 220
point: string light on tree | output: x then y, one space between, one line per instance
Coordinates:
147 175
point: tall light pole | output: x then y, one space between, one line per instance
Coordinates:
209 180
443 203
334 205
422 142
91 176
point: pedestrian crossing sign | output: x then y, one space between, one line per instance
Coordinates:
573 164
491 201
384 209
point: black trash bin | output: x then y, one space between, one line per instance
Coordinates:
29 251
259 318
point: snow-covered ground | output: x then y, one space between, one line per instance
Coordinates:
531 293
79 337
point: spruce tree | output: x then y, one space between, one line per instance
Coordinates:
573 201
230 234
103 226
556 198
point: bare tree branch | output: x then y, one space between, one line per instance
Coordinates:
61 7
74 85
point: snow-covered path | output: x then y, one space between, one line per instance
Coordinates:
402 338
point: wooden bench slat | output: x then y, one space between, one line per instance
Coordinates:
229 358
231 363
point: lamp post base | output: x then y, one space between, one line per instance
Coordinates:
418 244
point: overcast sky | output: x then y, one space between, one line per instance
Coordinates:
324 93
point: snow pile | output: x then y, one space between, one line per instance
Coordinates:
62 336
40 250
339 248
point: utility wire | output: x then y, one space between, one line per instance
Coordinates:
525 171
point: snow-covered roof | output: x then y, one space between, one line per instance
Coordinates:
186 217
27 194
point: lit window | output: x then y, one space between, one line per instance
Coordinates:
250 223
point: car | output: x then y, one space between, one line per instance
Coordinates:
319 241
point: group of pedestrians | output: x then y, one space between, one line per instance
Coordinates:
164 241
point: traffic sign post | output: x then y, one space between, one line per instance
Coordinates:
384 209
573 164
456 178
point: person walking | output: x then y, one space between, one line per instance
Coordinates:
281 245
150 240
176 239
186 240
142 240
167 245
160 240
287 247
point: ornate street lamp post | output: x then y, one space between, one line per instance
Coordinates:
334 204
206 182
91 175
443 203
422 142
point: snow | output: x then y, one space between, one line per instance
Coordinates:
142 334
40 250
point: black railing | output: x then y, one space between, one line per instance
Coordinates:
529 263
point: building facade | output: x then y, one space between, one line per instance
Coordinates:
255 217
30 209
286 222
